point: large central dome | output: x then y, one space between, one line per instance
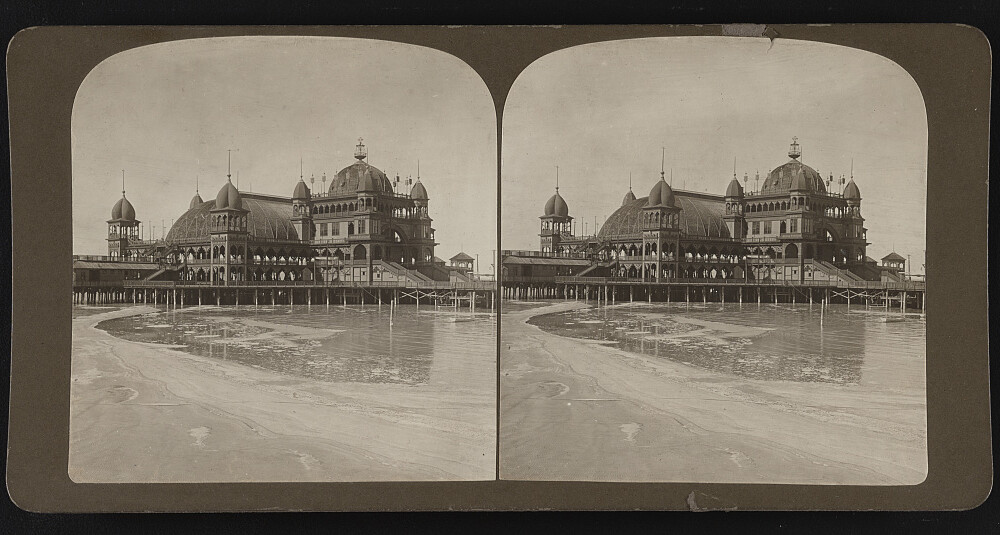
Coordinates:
358 177
793 175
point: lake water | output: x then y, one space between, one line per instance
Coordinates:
840 345
335 344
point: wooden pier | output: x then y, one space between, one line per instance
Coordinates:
477 295
908 295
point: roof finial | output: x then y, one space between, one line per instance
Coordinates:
300 168
734 167
557 179
630 180
795 150
418 169
229 171
663 157
360 152
196 184
852 168
123 183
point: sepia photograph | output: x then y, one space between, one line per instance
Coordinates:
283 264
712 265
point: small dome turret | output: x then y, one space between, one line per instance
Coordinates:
228 198
123 210
196 201
419 192
735 189
629 197
661 194
556 206
851 191
301 192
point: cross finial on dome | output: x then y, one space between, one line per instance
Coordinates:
795 150
360 152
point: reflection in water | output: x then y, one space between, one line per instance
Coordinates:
336 344
773 342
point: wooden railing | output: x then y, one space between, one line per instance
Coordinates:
872 285
437 285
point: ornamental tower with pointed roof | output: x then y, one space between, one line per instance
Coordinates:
734 207
301 210
123 227
660 229
555 222
228 232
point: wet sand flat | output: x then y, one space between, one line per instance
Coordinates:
575 409
147 413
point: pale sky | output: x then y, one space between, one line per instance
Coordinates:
603 110
167 113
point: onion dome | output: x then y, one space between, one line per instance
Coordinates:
629 197
661 194
123 210
735 189
418 192
228 198
851 192
556 206
301 192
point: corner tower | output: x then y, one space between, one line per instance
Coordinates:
228 231
556 222
123 228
